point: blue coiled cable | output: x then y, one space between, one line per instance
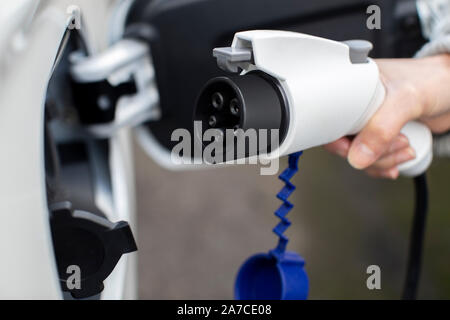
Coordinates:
286 206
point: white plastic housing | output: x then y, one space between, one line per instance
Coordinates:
329 96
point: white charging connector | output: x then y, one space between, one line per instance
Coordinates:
330 89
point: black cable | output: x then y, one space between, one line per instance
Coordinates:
417 238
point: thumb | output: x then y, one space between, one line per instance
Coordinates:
376 137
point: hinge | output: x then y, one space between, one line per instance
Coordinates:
116 88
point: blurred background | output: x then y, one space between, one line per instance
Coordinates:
197 228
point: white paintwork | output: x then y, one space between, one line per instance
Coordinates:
122 283
30 35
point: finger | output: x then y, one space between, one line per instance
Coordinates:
339 147
400 142
391 173
394 159
379 133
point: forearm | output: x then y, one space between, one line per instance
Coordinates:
418 89
436 85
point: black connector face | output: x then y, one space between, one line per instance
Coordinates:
218 105
250 102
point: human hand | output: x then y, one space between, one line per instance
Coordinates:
416 89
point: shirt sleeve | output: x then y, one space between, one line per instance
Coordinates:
435 19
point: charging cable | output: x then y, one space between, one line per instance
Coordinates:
417 238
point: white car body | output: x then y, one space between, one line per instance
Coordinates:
31 32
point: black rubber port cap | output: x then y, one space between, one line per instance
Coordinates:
89 242
253 101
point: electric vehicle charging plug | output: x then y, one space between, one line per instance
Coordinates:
313 90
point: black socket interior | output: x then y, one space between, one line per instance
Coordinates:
253 101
